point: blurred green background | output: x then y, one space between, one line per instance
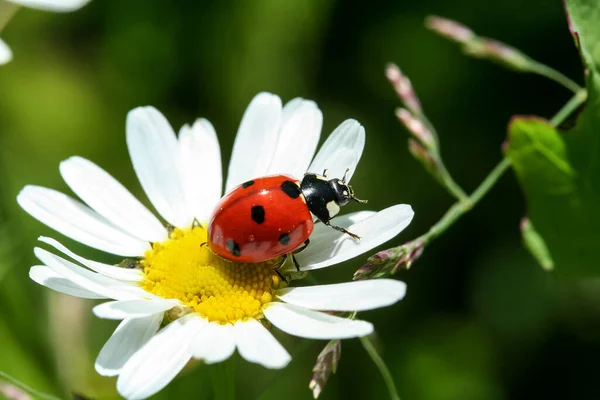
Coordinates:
480 321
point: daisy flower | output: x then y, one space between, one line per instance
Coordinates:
46 5
214 306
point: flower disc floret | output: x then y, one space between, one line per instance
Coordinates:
183 268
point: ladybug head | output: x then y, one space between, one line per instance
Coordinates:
343 192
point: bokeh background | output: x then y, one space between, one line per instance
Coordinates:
480 321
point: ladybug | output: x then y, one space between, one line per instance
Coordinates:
272 216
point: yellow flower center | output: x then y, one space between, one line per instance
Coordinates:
183 268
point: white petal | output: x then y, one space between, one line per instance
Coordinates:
77 221
132 308
97 283
256 344
342 150
348 296
154 152
335 247
5 53
255 141
122 274
214 343
129 337
47 277
298 138
156 364
323 231
201 172
52 5
311 324
110 199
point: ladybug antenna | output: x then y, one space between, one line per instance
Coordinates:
345 175
353 198
359 200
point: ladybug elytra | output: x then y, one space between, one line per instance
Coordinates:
269 217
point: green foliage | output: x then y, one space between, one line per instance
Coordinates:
75 76
455 365
560 171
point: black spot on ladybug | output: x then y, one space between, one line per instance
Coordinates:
247 184
284 239
258 214
233 247
291 189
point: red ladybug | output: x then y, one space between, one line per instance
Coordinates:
269 217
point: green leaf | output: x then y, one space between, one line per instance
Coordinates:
560 171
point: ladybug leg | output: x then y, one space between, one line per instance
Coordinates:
279 265
325 173
296 264
196 224
294 260
304 246
280 275
346 231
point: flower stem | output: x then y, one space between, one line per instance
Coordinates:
453 188
391 260
494 50
28 389
576 101
223 379
385 372
558 77
489 181
462 206
443 175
